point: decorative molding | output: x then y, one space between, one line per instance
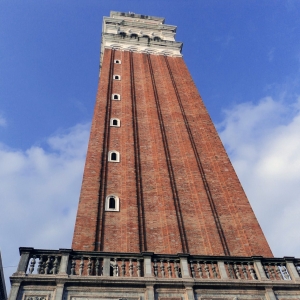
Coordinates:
139 33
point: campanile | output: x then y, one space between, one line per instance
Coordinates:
162 214
157 177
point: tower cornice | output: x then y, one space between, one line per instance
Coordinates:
139 33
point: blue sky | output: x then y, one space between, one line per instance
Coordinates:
244 57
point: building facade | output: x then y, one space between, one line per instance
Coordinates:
162 214
3 295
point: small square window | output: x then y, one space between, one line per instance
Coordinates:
114 122
114 156
115 97
112 203
116 77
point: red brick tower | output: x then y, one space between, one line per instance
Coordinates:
157 177
162 214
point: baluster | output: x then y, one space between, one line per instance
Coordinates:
138 267
73 266
252 272
297 268
199 269
123 266
286 275
176 269
244 271
272 271
48 265
266 271
214 270
40 265
236 270
192 269
115 267
89 267
97 266
206 268
130 267
55 265
32 263
278 271
81 265
162 268
230 270
155 268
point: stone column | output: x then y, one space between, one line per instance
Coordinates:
189 292
270 294
260 272
64 261
149 292
59 291
222 270
24 260
184 265
14 291
291 268
106 266
147 264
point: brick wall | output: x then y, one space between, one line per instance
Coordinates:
178 190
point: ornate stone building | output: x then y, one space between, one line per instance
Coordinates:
3 295
162 214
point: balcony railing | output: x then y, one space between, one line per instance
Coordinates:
77 264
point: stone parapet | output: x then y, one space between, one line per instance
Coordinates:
67 262
66 274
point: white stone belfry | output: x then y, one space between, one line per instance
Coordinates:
139 33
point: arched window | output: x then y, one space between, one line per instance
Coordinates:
114 122
115 97
113 156
112 203
117 61
116 77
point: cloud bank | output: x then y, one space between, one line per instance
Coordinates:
39 194
40 186
263 141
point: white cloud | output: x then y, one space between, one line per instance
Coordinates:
40 186
263 141
39 194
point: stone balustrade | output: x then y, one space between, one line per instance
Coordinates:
75 264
